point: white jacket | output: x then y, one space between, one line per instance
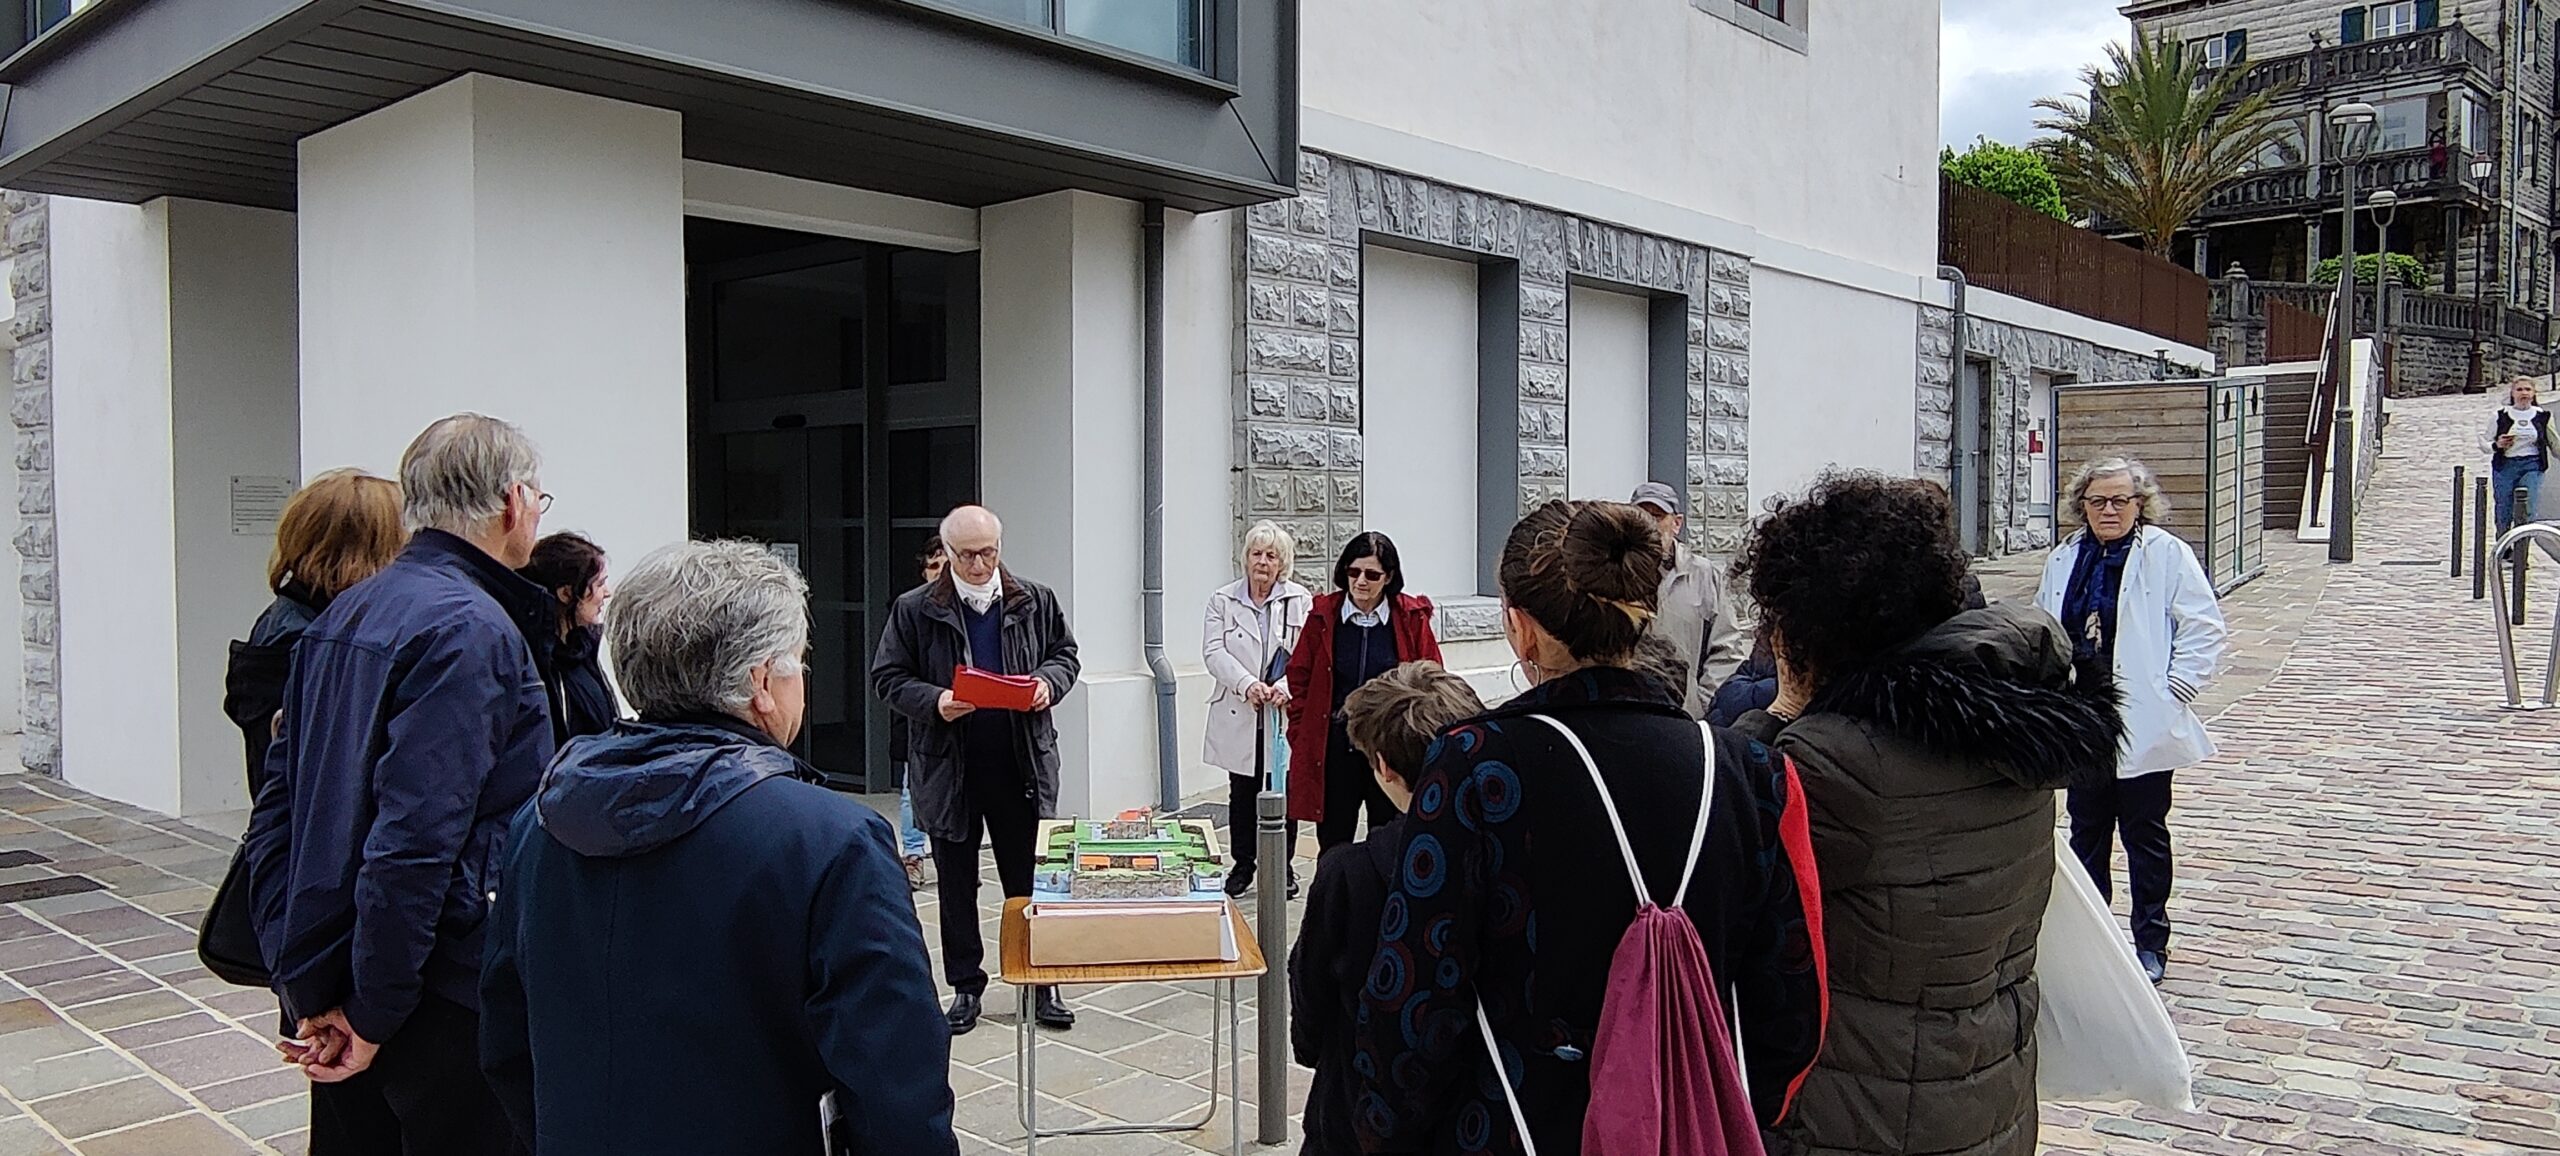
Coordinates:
2169 639
1237 654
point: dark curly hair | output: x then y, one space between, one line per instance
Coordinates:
1590 572
1859 566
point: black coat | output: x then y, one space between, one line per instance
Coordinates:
416 723
1326 968
586 705
698 943
253 684
921 645
1929 781
1511 890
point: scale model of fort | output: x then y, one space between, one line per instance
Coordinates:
1136 855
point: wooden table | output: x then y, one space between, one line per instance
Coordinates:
1017 969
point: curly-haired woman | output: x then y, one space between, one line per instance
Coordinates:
1513 889
2140 611
1930 740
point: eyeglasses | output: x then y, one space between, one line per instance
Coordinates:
1366 574
2126 502
981 555
541 501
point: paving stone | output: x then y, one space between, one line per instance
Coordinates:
271 1119
130 1009
56 1075
99 1109
192 1135
278 1082
23 1136
212 1059
162 1031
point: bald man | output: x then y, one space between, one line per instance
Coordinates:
973 769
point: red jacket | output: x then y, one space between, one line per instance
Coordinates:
1311 688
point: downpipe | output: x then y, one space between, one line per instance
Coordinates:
1151 563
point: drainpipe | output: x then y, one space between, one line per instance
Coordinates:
1955 354
1151 565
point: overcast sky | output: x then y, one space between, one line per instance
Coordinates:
2000 55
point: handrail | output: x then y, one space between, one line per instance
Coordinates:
2546 536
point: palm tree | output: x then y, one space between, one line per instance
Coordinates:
2156 137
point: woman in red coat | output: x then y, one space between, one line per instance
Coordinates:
1360 630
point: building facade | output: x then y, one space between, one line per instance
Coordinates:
2454 82
803 273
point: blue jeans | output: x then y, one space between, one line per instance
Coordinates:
910 840
2504 476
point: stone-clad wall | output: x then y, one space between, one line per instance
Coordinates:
31 411
2015 354
1299 404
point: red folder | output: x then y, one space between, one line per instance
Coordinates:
989 691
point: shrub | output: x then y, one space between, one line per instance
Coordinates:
2405 270
2009 171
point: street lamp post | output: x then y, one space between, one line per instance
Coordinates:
2484 172
2354 122
2385 206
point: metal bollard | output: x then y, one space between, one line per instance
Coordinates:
2523 509
2479 538
1271 927
2457 521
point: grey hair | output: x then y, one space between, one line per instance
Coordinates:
457 475
689 625
948 520
2154 507
1269 533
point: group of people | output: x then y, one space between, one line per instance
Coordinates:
500 915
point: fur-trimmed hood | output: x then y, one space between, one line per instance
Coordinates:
1997 685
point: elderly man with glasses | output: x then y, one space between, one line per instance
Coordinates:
973 767
416 722
685 861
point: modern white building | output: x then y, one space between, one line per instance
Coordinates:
812 271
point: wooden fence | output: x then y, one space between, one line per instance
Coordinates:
2293 333
2008 248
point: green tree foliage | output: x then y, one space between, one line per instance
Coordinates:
2156 137
2018 174
2405 270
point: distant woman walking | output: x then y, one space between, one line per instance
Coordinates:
1362 629
2519 445
2140 610
1252 624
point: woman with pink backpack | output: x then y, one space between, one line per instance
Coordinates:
1594 896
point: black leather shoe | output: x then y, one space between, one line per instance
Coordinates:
2155 966
1240 880
963 1014
1050 1010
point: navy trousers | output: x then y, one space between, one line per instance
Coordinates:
2136 809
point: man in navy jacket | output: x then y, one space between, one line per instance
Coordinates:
694 942
416 722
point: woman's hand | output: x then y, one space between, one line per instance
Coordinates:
2506 441
1258 694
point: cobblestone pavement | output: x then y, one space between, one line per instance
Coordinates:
2369 886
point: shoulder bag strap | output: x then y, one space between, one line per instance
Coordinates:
1706 807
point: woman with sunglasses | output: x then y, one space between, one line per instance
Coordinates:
1361 629
2139 609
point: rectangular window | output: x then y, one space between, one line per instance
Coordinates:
2401 124
2283 152
2529 144
1773 9
2523 264
2212 51
1608 381
1173 31
1418 351
2399 18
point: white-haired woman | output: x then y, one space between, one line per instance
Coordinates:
2137 606
1252 623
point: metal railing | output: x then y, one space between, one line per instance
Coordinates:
2511 552
2413 174
2450 48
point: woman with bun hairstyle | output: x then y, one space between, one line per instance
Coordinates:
1511 889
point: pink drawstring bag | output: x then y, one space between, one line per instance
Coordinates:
1664 1077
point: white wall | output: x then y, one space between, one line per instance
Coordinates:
1061 418
1607 408
232 280
1418 415
496 246
1831 382
1200 537
1663 101
115 530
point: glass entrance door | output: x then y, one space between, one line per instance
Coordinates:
830 423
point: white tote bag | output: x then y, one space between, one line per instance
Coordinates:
2103 1034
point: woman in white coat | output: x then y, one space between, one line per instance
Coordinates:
2137 605
1252 623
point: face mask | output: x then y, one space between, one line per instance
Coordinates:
979 598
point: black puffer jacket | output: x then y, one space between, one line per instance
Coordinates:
1929 780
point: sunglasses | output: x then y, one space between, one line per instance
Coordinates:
1366 574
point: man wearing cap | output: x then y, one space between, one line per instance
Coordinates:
1694 616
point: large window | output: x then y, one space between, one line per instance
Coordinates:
1418 354
2394 19
1608 419
2285 150
1175 31
2402 124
